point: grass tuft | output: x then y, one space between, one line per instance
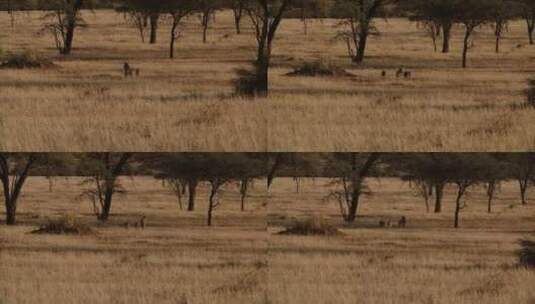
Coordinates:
26 60
527 253
67 224
318 68
311 226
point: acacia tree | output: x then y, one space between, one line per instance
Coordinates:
351 171
310 9
149 13
527 12
102 171
207 10
502 11
492 175
466 170
522 169
238 8
216 169
178 186
435 14
143 14
12 7
14 170
266 16
358 20
472 14
177 10
429 171
65 17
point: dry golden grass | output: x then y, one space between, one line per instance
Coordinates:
238 261
173 260
186 104
427 262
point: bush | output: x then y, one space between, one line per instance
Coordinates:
246 83
318 68
527 253
531 92
311 226
67 224
26 60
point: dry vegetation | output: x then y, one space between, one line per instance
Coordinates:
187 103
176 259
427 262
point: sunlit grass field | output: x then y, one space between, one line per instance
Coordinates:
243 259
187 104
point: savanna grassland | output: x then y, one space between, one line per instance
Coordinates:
243 259
426 262
187 104
175 259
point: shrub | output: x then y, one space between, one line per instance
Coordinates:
527 253
26 60
318 68
67 224
246 83
531 92
311 226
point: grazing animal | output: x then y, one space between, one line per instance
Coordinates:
399 72
402 223
385 223
130 71
126 225
142 222
383 74
127 70
407 75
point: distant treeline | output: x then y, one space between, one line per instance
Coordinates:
427 173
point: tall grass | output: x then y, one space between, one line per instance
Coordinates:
187 104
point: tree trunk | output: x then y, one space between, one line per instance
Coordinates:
498 35
12 190
439 191
465 46
490 195
531 28
357 178
172 48
192 191
105 213
446 30
173 39
112 173
361 49
205 23
243 192
179 199
210 207
11 212
69 37
425 193
238 13
457 208
262 76
523 191
154 28
71 25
